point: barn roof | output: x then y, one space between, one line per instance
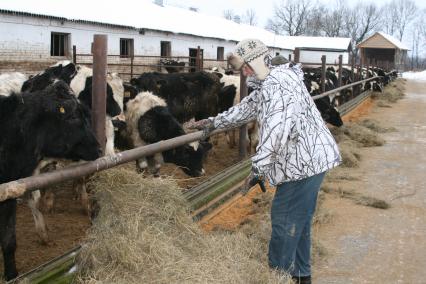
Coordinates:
146 15
374 42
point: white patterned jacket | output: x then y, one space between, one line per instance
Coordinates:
294 141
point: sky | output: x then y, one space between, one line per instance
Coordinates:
263 8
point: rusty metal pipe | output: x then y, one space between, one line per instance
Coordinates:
99 88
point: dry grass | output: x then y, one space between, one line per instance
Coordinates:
391 94
375 126
144 234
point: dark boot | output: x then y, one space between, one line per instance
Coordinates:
301 279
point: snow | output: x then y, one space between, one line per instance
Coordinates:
144 14
418 76
394 41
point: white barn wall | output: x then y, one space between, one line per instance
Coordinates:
332 57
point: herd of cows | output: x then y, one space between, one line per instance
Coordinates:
47 116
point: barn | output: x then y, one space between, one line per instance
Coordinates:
383 50
35 36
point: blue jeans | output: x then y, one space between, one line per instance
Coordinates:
291 214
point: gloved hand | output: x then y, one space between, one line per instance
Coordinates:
250 181
204 124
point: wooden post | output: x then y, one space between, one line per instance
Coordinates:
368 68
100 43
289 57
353 69
339 74
242 153
297 55
74 54
323 60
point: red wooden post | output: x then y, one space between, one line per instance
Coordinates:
100 43
297 55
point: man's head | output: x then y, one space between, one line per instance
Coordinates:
250 52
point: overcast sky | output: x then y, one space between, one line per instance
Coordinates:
263 8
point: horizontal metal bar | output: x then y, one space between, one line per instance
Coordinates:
18 187
343 87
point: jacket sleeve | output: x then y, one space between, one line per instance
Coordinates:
275 127
239 114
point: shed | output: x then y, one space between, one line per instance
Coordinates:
383 50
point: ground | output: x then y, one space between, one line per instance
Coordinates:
368 245
362 244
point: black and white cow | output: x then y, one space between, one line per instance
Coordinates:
188 95
34 125
148 121
312 80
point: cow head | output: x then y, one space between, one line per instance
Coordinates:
63 129
64 71
189 157
328 112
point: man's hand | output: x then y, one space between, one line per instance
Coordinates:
251 181
204 124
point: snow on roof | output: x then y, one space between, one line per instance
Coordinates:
393 40
145 14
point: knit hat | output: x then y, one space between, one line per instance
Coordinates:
252 52
235 61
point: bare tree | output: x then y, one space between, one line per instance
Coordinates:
250 17
314 25
405 11
290 17
334 20
361 21
229 14
389 17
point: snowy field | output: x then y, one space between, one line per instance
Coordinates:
418 76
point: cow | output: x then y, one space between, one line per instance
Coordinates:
312 80
188 95
11 83
148 120
47 123
79 78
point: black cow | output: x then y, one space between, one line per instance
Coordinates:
148 121
188 95
47 123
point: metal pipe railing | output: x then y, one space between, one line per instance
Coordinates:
343 87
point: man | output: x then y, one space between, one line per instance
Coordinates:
295 150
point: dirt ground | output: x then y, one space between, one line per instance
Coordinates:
368 245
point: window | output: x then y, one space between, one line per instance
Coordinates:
126 47
166 48
220 52
59 44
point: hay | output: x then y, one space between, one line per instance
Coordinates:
391 93
144 234
375 126
350 154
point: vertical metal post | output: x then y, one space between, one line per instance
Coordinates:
198 59
297 55
100 43
323 60
131 66
243 129
339 82
74 54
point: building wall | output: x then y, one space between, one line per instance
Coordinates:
332 57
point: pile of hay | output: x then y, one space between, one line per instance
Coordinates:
144 234
391 93
375 126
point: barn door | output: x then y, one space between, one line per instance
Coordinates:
193 59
